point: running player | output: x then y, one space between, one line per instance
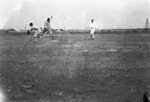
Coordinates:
47 27
92 27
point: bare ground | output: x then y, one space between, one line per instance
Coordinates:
73 68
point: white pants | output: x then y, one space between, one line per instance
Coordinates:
92 33
36 33
47 30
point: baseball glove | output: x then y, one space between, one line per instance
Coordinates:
28 32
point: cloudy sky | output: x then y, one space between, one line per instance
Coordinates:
74 13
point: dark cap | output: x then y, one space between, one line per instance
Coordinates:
31 24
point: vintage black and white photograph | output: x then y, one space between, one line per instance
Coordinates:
74 51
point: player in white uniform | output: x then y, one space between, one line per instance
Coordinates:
92 27
36 30
47 27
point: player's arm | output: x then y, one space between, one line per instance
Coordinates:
95 26
29 31
32 29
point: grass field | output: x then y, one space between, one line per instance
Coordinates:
73 68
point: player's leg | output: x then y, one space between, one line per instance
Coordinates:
41 36
35 39
41 33
93 36
36 35
44 30
51 33
92 33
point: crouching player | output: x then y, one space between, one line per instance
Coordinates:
92 27
36 30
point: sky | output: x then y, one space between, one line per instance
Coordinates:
74 14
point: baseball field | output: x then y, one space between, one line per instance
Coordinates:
73 68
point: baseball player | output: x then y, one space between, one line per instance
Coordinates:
92 27
36 30
47 27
